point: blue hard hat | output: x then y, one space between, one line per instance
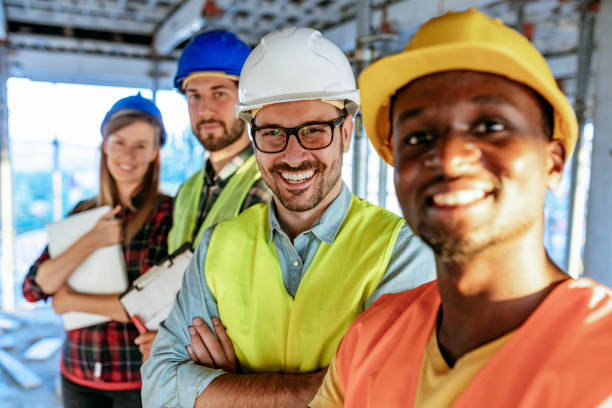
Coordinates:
216 50
136 103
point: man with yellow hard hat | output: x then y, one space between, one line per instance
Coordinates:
270 293
477 130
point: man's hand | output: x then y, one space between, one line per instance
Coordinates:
210 350
145 342
261 390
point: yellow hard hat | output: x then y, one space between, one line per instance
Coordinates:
467 40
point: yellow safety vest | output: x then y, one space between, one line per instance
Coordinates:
226 206
272 331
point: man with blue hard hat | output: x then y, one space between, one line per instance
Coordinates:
229 182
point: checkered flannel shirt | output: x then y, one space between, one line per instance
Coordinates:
106 352
214 184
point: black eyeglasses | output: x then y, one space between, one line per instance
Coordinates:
311 135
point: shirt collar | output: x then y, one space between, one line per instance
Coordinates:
229 169
327 226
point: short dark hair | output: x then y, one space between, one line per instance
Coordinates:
548 115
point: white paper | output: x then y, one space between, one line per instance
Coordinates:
103 272
152 295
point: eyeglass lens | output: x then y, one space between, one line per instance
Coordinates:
312 136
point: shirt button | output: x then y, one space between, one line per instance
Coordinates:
295 263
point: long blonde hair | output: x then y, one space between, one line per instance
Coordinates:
148 190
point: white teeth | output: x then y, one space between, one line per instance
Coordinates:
462 197
295 178
126 167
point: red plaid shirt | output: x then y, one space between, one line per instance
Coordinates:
104 356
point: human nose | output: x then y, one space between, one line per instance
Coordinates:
453 154
205 107
294 153
130 152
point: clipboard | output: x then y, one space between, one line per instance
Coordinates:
103 272
149 300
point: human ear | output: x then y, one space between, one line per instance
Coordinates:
556 157
154 154
104 146
347 132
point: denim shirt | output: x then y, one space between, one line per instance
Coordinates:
170 378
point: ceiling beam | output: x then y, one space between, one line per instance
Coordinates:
182 24
99 7
83 46
90 69
90 22
410 13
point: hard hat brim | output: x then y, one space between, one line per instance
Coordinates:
352 98
381 80
200 74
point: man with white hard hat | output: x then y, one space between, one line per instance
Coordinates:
471 118
207 74
281 283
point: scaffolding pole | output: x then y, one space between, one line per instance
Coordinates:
363 57
156 73
578 187
598 249
8 278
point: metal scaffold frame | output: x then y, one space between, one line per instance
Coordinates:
598 250
578 187
8 280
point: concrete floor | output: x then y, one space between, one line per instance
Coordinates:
18 331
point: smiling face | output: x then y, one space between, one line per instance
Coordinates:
472 161
211 101
129 151
302 179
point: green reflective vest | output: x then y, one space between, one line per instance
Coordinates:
272 331
226 206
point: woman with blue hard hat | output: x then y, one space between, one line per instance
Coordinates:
100 364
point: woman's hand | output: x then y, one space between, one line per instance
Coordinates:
145 342
67 300
53 273
62 300
108 230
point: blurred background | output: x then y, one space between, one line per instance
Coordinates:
64 62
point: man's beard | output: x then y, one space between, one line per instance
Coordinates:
458 248
292 202
213 144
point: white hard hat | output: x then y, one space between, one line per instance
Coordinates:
295 64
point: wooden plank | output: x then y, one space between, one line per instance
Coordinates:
7 323
7 341
43 349
25 377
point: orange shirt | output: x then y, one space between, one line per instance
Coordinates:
560 357
439 384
